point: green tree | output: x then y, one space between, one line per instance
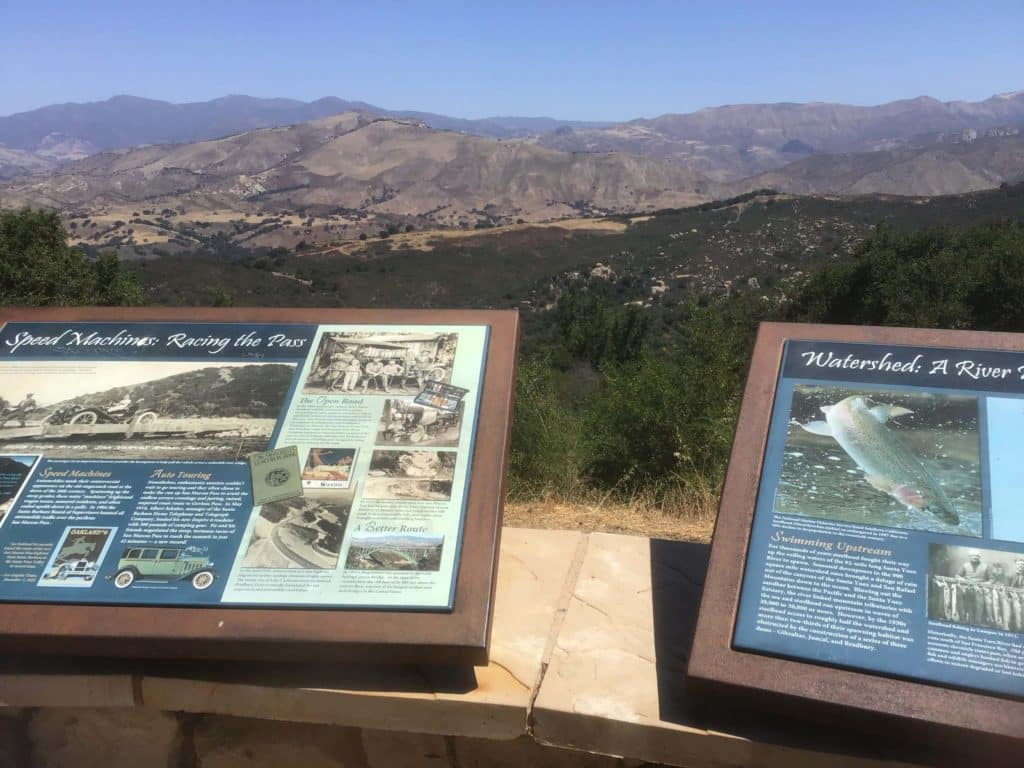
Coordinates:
39 268
930 279
595 330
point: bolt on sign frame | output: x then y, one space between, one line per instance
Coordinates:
867 538
131 528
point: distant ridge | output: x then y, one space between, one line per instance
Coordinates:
131 121
732 142
245 154
365 164
726 143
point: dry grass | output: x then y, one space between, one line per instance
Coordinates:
426 239
142 233
325 240
687 515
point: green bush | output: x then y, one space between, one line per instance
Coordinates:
624 410
669 416
38 268
546 435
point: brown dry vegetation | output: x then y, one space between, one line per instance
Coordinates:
686 516
428 239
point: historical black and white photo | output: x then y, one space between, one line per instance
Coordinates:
404 422
980 587
380 363
141 409
411 475
303 532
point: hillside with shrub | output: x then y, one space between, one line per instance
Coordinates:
623 392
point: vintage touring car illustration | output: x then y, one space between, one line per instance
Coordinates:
164 564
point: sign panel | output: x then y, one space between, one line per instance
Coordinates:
874 499
323 466
887 534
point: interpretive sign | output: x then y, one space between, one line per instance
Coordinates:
868 558
207 473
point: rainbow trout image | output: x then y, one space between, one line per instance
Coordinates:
858 425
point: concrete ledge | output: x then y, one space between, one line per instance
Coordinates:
64 683
589 647
489 702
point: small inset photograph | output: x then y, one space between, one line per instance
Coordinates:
328 468
14 471
404 422
304 532
411 475
898 458
380 363
77 558
1005 417
394 552
980 587
445 397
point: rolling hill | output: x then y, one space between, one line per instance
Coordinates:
732 142
725 143
362 163
26 138
656 260
321 183
939 169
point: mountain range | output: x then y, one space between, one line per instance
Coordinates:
733 142
361 163
28 139
248 155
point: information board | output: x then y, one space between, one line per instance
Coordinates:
874 505
261 463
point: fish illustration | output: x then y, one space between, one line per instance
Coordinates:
859 426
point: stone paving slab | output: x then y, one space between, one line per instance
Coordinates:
534 574
616 679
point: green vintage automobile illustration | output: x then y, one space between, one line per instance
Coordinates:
163 564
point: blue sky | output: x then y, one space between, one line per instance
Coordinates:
581 60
